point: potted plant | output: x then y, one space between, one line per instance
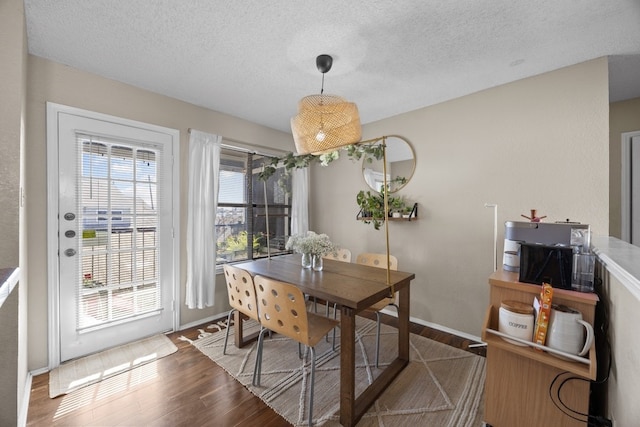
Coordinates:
397 206
371 207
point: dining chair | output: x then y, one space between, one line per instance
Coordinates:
282 309
380 261
242 296
342 254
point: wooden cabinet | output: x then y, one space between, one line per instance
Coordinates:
519 378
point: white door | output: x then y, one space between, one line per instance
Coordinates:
115 221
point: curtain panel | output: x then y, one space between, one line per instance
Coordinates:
300 201
204 170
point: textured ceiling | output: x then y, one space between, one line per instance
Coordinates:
255 59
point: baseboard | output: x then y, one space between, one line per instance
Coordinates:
211 319
392 312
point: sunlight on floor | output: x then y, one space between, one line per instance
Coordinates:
106 388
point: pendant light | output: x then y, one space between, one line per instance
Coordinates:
325 123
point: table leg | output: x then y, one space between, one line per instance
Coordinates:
347 366
403 323
240 340
237 324
353 407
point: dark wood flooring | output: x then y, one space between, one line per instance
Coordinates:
183 389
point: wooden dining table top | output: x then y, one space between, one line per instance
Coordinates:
348 284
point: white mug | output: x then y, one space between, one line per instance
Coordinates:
566 331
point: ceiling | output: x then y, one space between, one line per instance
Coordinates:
255 59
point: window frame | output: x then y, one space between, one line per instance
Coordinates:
252 204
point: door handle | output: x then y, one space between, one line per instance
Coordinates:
70 252
69 216
69 233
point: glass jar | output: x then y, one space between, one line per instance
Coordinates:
306 261
318 263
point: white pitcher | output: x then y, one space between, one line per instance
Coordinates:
568 332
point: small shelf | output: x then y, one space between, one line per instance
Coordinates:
585 367
368 218
413 215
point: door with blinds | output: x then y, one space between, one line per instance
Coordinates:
116 251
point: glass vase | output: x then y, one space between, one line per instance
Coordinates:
318 263
306 261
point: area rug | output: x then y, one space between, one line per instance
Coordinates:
441 386
84 371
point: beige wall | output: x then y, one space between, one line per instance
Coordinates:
12 46
623 117
49 81
537 143
13 58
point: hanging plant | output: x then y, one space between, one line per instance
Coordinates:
371 208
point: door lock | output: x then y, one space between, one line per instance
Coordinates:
69 233
70 252
69 216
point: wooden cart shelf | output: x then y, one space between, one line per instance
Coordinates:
582 366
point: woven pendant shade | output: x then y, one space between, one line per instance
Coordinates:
325 123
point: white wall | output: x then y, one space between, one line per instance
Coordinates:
623 387
540 143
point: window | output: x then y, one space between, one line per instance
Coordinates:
241 219
119 268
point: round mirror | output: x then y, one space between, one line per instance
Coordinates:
401 162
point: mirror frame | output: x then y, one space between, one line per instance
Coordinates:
368 160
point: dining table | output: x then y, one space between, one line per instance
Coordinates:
353 287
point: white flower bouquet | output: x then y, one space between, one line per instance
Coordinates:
311 243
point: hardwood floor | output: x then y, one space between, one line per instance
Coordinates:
183 389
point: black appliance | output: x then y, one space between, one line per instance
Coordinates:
546 263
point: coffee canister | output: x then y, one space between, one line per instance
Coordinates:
516 318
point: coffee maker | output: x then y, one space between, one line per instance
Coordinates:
544 251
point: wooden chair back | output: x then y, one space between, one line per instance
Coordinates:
380 261
377 260
283 310
241 290
342 254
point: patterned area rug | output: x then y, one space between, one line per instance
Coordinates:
441 386
84 371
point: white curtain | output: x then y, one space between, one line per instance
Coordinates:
300 202
204 170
